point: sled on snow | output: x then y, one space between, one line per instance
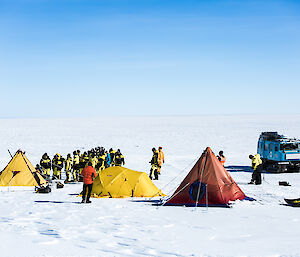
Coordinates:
293 202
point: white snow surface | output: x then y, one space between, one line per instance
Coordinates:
123 227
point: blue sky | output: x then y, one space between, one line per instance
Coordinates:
148 57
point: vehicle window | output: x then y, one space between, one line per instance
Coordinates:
266 146
289 146
276 148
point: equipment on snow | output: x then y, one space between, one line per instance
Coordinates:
43 189
293 202
59 185
284 183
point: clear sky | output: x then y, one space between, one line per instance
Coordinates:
148 57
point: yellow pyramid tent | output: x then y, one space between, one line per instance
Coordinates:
120 182
20 172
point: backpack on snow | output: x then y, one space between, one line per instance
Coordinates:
43 189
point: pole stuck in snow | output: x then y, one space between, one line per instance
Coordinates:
10 153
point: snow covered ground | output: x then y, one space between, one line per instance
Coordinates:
122 227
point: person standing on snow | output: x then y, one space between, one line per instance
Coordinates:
107 159
256 165
68 167
93 160
112 154
119 158
221 158
88 174
154 165
76 166
57 165
45 163
101 160
161 159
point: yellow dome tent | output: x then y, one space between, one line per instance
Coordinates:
120 182
20 172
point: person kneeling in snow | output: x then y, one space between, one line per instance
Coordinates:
88 174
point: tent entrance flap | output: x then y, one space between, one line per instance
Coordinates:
197 191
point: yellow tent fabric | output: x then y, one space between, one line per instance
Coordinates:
120 182
18 172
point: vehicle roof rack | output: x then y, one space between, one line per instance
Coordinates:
271 135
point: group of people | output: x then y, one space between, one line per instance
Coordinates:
89 173
256 165
99 158
88 164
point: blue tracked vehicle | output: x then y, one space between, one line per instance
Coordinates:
279 153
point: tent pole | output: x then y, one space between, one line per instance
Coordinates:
181 171
198 193
10 153
206 198
29 168
176 193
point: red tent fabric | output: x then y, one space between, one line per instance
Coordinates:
207 184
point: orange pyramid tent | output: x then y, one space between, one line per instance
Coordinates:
20 172
207 184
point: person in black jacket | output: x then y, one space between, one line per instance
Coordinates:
119 158
45 164
154 165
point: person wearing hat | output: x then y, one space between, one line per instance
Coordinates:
57 165
256 165
93 159
107 159
119 158
76 166
68 167
45 164
112 154
161 159
154 165
39 169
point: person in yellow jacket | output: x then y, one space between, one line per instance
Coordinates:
101 161
45 164
119 158
112 154
161 159
76 166
154 165
57 165
86 159
256 165
93 160
68 167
